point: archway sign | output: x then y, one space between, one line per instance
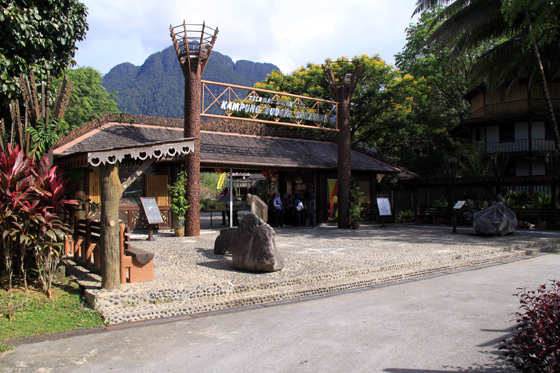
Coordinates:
229 101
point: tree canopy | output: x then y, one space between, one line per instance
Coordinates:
37 35
390 111
448 82
37 43
89 99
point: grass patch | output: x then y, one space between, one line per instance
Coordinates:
27 314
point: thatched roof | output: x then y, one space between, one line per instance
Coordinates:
219 149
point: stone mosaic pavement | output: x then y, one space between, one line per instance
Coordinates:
190 279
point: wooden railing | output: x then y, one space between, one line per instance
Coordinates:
517 146
258 207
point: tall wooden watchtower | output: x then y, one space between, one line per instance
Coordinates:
193 44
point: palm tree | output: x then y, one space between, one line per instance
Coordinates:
523 35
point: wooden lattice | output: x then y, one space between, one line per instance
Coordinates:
193 44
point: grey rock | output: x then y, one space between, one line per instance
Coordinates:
496 220
223 241
253 247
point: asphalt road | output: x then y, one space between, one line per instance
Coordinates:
441 323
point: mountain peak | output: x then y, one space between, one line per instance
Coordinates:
156 88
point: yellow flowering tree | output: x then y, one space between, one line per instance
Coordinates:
390 111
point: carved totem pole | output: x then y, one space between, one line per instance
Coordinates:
193 47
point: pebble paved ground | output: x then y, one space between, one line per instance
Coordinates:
189 278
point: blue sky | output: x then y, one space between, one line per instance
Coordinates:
287 33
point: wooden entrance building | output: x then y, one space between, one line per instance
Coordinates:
299 164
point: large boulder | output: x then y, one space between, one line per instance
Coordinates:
253 247
223 241
495 220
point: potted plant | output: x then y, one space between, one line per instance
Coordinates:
179 203
355 206
407 216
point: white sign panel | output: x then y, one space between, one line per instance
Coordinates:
384 206
459 204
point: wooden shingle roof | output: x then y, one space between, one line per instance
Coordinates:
220 149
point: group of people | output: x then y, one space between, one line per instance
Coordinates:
296 209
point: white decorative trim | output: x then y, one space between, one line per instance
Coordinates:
167 150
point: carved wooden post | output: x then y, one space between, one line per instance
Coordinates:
343 88
192 160
111 192
344 163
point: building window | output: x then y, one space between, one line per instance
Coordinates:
510 169
548 132
507 132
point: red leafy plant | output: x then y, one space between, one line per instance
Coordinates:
535 343
31 197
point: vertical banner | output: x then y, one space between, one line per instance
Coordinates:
333 197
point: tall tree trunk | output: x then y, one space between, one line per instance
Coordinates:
546 94
111 192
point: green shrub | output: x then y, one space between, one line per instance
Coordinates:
211 204
541 200
440 203
356 203
407 214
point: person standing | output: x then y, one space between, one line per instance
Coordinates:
297 210
278 210
224 198
311 207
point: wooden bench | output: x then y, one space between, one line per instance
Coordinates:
136 265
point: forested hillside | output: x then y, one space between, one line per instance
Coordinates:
157 87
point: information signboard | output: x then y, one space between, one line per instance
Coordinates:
459 205
384 206
151 210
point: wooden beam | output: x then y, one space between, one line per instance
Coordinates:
136 174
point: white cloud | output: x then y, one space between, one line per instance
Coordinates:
287 33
